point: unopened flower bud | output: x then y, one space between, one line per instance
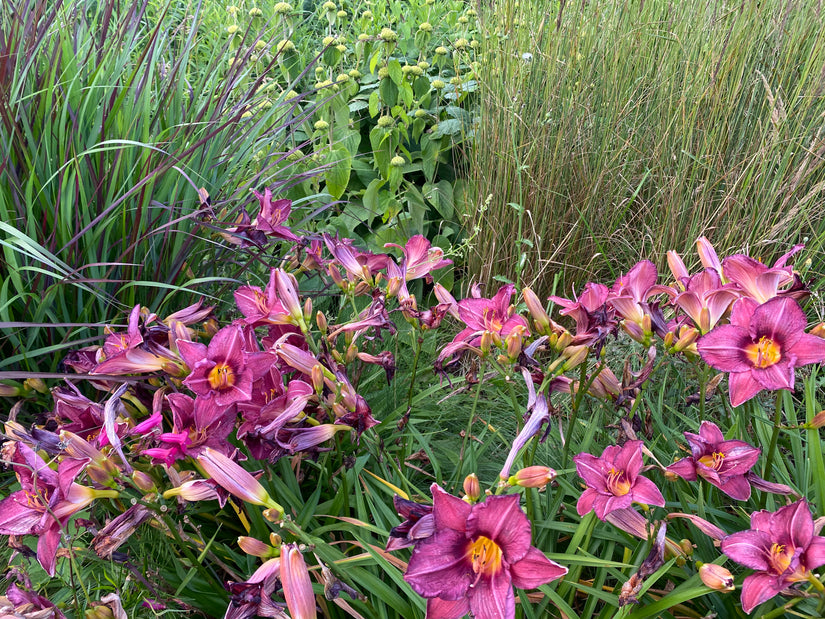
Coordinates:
307 309
254 547
716 577
36 384
143 481
318 378
536 309
397 161
817 422
352 353
486 342
321 321
574 356
438 84
532 477
99 612
275 540
472 488
514 342
687 547
818 330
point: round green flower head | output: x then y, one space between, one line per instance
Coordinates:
388 35
367 14
441 50
424 65
461 43
341 48
406 69
323 84
327 41
438 84
291 95
420 113
246 115
383 72
455 81
426 27
363 36
471 12
397 161
343 77
321 125
416 70
463 19
341 14
475 44
232 10
232 29
259 45
286 46
253 58
295 155
329 7
319 72
354 74
385 121
283 8
255 12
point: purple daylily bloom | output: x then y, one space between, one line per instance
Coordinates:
475 556
613 480
782 549
725 464
273 215
418 524
761 347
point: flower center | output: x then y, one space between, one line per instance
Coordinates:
491 321
618 483
713 461
221 377
780 557
764 353
485 555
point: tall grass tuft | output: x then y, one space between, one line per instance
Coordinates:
625 127
112 116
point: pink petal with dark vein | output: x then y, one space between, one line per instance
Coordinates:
742 387
758 588
796 520
535 570
711 433
736 487
780 375
780 319
645 491
629 459
47 545
592 470
447 609
16 517
439 567
449 511
750 548
724 348
492 597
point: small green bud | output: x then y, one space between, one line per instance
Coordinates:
397 161
388 35
232 29
424 65
285 46
426 27
420 113
341 78
355 74
438 84
327 41
255 12
385 121
321 125
383 72
461 43
341 14
367 14
363 36
441 50
341 48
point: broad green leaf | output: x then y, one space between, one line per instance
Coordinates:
339 166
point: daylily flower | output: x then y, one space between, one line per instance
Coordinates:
757 280
475 557
272 215
595 319
781 547
420 258
276 304
418 524
222 369
236 480
722 463
45 502
614 481
761 347
296 583
705 299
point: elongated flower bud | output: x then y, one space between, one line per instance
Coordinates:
233 478
255 547
471 487
537 311
716 577
532 477
297 586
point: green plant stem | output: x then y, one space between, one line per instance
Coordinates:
418 341
777 422
468 431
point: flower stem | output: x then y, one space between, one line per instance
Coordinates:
468 431
777 422
418 341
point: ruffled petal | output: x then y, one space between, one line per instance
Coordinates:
814 555
439 567
758 588
535 569
447 609
684 468
780 320
777 376
808 349
645 491
591 470
711 433
449 511
736 487
742 387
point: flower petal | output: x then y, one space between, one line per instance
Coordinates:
447 609
449 511
777 376
492 597
815 553
808 349
779 319
592 470
500 519
684 468
748 548
758 588
585 502
535 569
629 459
711 433
645 491
439 567
742 387
736 487
724 348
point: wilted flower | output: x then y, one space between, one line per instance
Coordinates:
782 549
614 481
475 557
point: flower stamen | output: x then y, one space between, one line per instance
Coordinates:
485 556
221 377
618 483
764 353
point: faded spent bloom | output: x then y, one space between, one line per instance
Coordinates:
475 556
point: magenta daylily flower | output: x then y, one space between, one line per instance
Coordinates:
420 258
758 280
613 480
475 557
273 215
761 347
781 547
705 299
724 464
